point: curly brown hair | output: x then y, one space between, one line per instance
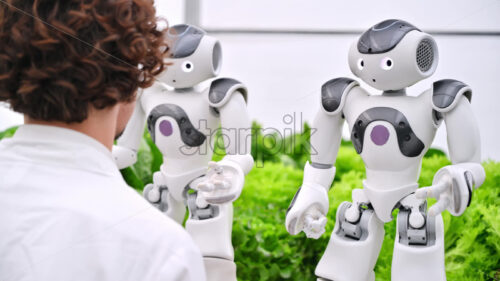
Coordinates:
59 57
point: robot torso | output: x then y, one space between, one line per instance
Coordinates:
181 124
391 133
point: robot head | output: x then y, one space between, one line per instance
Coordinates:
393 55
193 57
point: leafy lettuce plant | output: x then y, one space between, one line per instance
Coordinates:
265 251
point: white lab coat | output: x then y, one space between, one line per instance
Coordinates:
67 214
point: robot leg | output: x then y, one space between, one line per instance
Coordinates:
353 249
158 195
418 252
210 226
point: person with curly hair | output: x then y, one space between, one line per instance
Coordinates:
73 68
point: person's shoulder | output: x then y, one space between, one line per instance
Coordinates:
123 216
4 151
160 240
140 220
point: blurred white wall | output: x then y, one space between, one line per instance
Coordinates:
284 50
171 10
353 15
8 118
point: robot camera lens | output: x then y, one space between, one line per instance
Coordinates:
187 66
386 63
361 64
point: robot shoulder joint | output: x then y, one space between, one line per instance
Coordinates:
334 93
446 94
222 89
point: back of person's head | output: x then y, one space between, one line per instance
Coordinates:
60 58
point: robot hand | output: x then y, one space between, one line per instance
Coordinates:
152 192
452 187
308 211
223 182
124 157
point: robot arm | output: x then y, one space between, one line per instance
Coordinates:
236 122
225 178
125 152
453 185
308 209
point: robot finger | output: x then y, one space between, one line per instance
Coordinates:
314 227
206 186
221 184
152 193
212 164
440 206
215 168
432 191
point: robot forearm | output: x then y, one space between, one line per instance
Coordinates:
124 157
132 134
235 122
319 174
309 206
125 152
475 170
453 186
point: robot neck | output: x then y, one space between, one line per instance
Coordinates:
401 92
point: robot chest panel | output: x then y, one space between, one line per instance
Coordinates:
179 121
393 130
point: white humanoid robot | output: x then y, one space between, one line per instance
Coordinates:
182 121
391 131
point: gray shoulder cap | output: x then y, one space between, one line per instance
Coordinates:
222 89
333 94
446 94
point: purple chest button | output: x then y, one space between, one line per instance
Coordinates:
166 128
379 135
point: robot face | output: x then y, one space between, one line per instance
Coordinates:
393 55
194 57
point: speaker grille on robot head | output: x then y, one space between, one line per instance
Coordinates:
425 55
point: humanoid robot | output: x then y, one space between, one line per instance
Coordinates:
182 121
391 131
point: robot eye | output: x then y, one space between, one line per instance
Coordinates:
187 66
361 64
386 63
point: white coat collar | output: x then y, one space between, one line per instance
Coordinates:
64 147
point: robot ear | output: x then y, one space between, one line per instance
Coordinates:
353 58
216 58
427 56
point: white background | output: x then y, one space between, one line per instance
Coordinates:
353 15
284 50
